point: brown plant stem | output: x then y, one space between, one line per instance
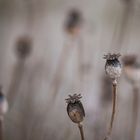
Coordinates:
1 130
15 82
113 112
80 126
134 112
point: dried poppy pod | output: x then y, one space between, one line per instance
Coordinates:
132 68
23 47
76 111
113 66
3 105
75 108
73 22
113 70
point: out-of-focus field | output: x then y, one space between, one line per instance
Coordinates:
40 85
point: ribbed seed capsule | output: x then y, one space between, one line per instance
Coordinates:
75 108
113 66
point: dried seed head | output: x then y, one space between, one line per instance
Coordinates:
3 105
75 108
129 60
132 68
113 66
73 22
23 47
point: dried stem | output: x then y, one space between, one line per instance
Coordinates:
16 81
113 112
135 112
80 61
81 131
60 69
1 131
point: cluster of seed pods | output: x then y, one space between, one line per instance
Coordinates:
75 109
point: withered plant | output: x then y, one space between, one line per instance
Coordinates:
22 50
132 74
113 69
76 111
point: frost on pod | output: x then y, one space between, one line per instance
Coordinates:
23 47
113 66
75 108
3 105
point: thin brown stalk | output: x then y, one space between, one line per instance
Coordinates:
1 130
134 112
15 82
113 113
80 126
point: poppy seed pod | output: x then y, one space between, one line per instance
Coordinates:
75 108
113 66
73 22
3 105
132 68
23 47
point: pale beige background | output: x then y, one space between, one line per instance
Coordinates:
28 118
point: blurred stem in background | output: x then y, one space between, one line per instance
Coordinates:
15 82
119 36
132 73
82 68
22 49
135 108
60 70
128 10
72 28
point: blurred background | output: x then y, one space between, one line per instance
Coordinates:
62 47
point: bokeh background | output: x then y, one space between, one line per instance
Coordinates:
60 64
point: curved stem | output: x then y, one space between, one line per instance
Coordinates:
113 112
81 131
134 112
